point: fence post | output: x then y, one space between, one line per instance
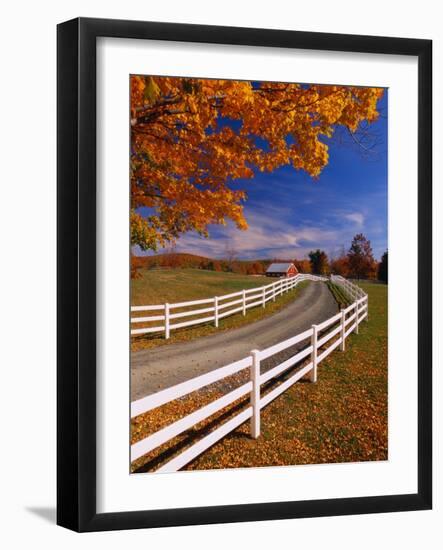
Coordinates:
216 310
343 327
356 317
273 292
167 321
244 303
264 297
255 394
313 372
367 309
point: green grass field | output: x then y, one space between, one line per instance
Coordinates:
343 417
178 285
157 286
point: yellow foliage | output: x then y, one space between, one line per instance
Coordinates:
183 158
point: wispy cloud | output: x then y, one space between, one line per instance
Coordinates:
289 213
355 217
270 234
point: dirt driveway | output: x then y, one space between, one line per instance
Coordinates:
155 369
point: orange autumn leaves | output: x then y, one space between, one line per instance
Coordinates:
191 138
343 417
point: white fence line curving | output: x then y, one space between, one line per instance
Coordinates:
341 325
215 308
351 289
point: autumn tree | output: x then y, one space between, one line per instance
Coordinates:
319 262
382 273
136 265
303 266
217 265
339 262
170 258
231 255
191 138
236 267
255 268
360 258
340 266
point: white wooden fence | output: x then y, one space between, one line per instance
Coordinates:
318 347
213 309
351 289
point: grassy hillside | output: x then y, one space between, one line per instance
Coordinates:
157 286
184 260
341 418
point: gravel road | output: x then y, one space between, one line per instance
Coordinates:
159 368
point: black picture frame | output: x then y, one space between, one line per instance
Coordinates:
76 294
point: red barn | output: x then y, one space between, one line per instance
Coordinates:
282 270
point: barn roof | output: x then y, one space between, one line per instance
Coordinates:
279 268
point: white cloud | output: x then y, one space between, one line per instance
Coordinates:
274 232
269 235
355 217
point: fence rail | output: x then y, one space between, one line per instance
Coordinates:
318 336
214 309
352 289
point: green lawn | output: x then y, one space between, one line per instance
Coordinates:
178 285
341 418
157 286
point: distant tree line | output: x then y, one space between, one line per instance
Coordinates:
357 262
244 267
171 259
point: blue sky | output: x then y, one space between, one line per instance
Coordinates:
289 213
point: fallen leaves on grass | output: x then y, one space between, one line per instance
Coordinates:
341 418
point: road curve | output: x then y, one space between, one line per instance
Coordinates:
155 369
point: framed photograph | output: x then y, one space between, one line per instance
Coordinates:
231 344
